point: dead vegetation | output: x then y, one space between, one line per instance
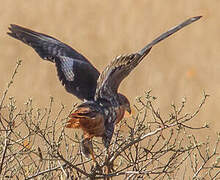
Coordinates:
35 143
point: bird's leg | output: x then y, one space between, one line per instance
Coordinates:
95 167
87 148
107 170
107 153
91 152
108 165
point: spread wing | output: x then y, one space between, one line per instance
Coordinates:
75 72
121 66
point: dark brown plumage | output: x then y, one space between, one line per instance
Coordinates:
75 72
105 106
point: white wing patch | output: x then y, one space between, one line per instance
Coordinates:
67 67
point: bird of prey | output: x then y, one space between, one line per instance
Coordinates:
103 106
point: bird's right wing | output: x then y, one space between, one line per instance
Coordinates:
75 72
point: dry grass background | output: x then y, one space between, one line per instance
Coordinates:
183 65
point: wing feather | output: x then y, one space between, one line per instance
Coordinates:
121 66
74 70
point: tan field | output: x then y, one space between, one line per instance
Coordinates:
183 65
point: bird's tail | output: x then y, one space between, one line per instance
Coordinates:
91 122
76 120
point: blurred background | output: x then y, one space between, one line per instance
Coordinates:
183 65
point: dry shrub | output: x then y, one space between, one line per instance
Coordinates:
35 143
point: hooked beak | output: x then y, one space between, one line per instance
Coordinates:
128 109
128 112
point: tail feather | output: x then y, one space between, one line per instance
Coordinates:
92 126
76 121
73 123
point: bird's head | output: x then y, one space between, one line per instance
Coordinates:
123 101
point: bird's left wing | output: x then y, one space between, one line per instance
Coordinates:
121 66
